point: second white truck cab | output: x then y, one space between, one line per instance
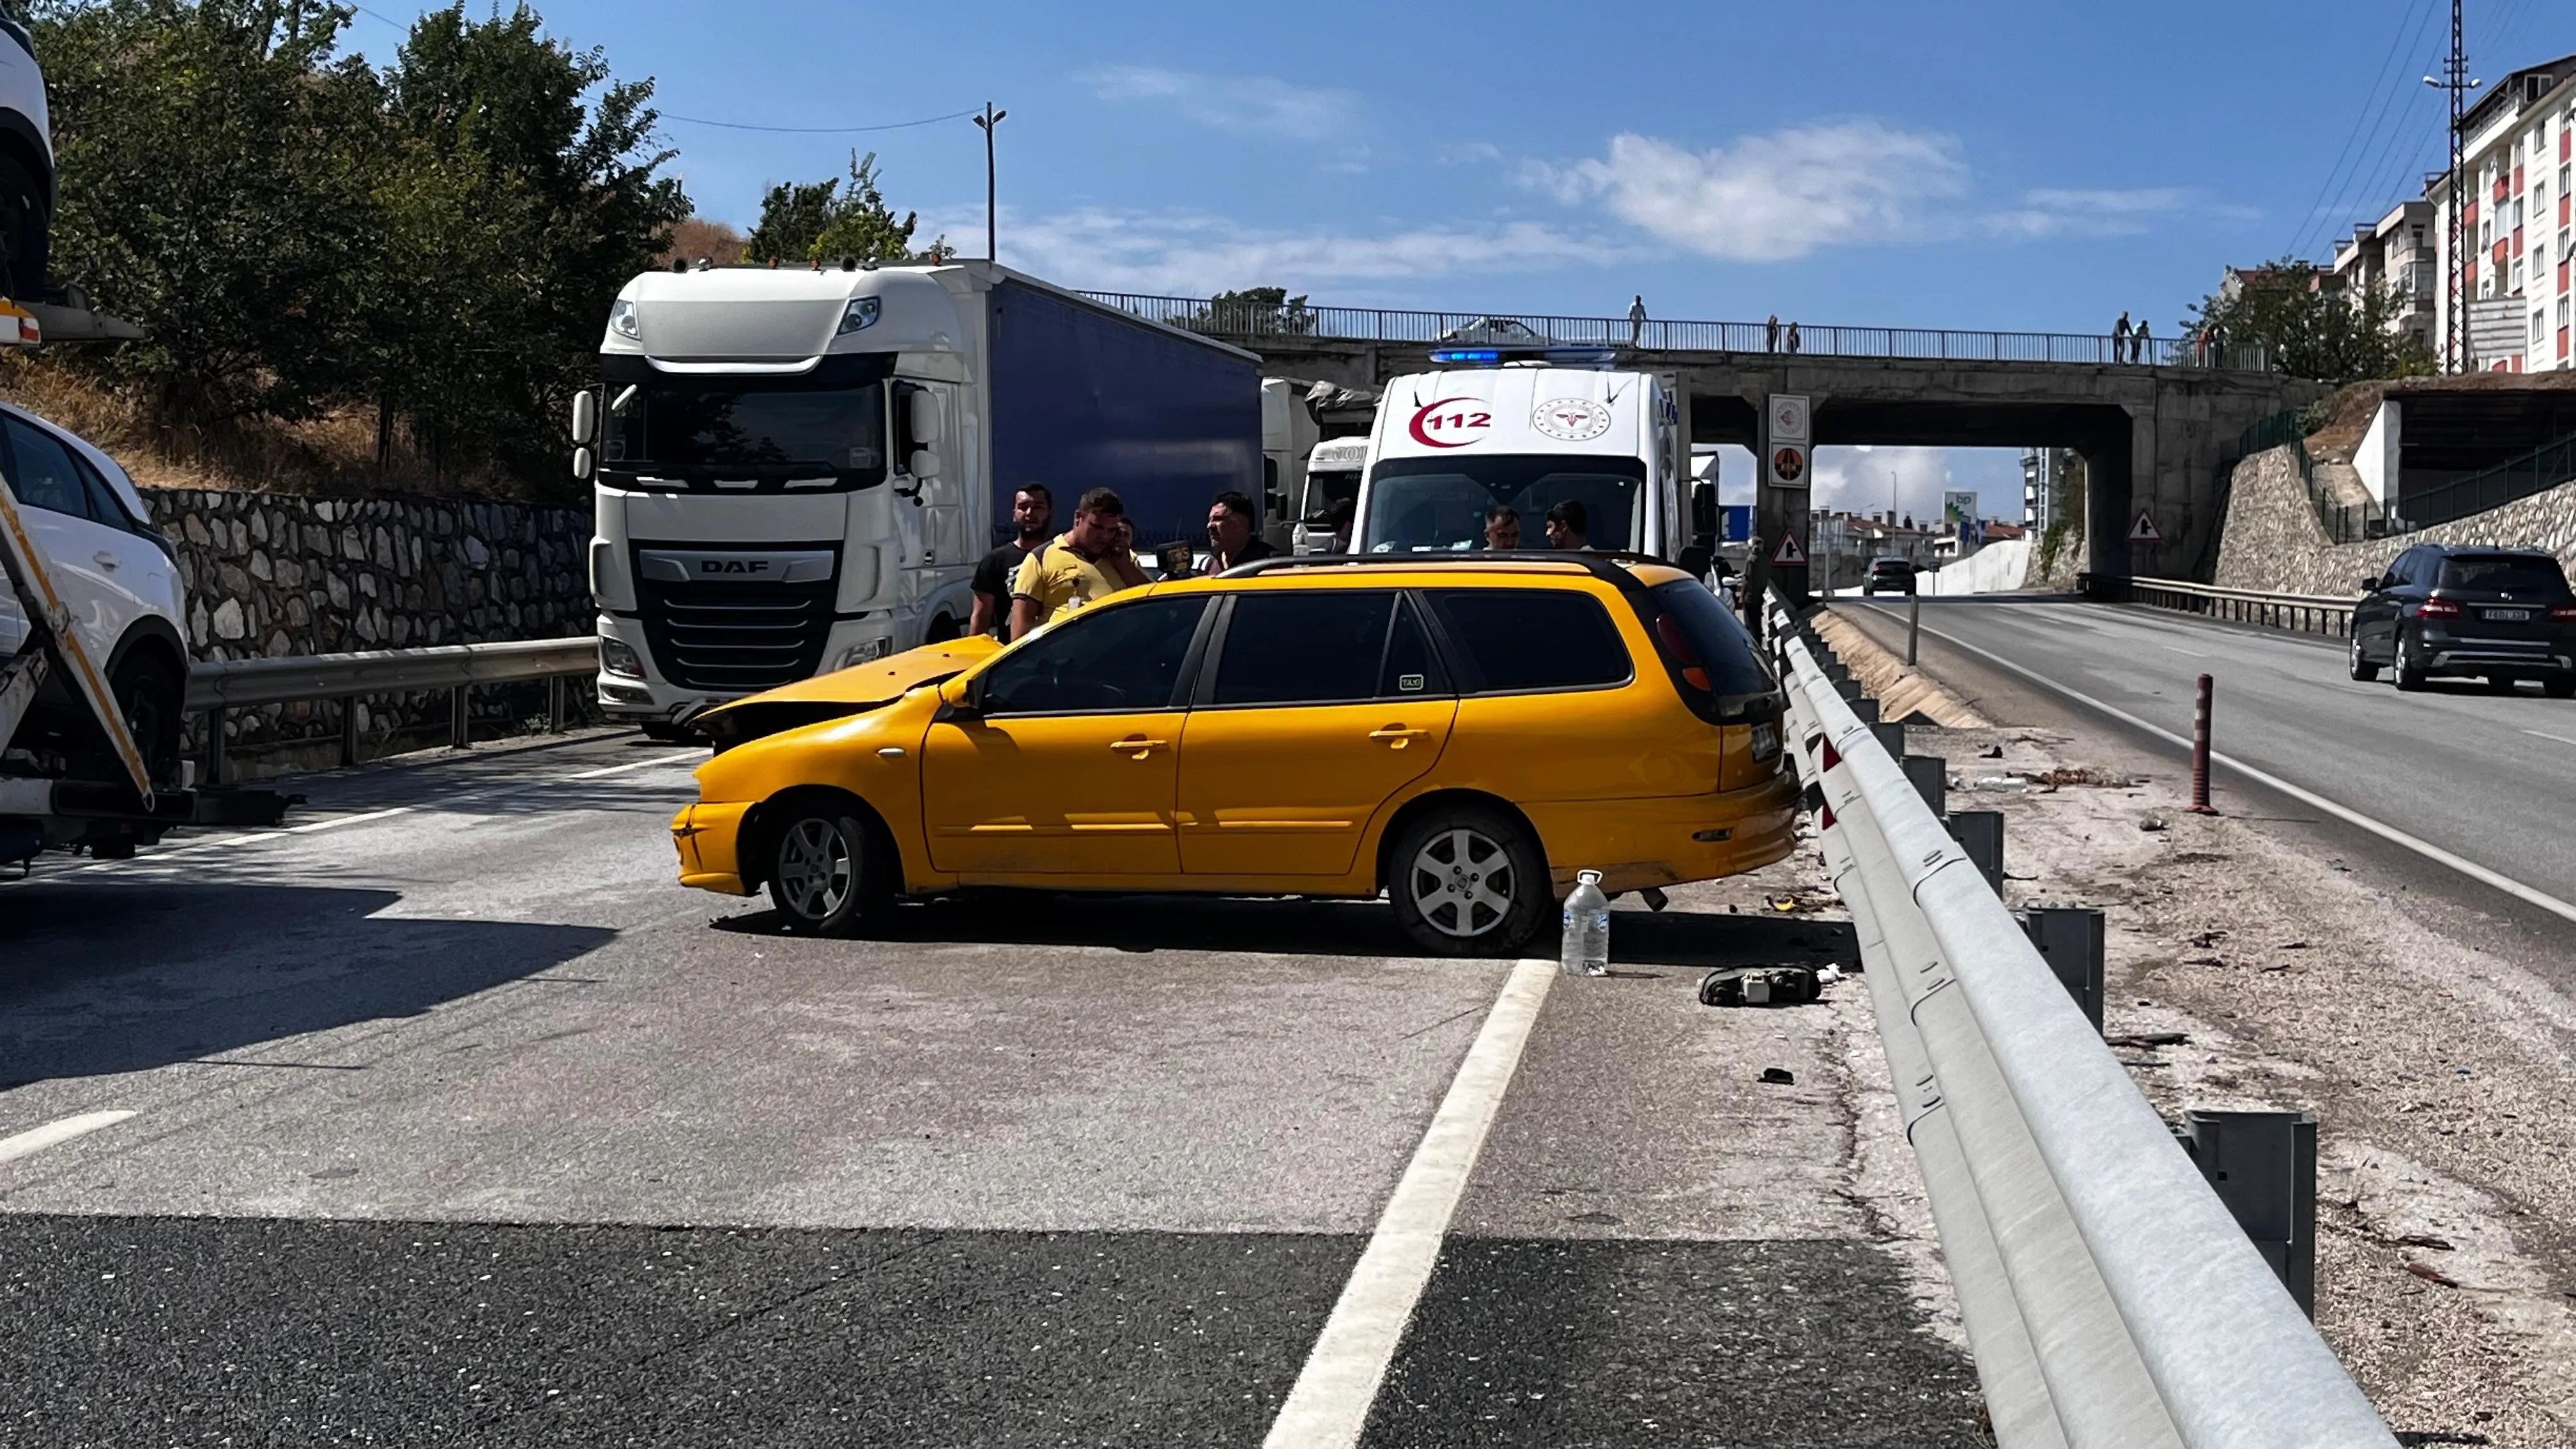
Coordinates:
1332 478
1287 435
1449 446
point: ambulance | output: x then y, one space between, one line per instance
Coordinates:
1528 431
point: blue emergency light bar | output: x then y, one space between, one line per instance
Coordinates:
1496 356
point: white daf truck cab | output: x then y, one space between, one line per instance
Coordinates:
797 470
1332 478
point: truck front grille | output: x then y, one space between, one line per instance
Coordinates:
730 638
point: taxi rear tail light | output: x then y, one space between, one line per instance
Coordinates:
1677 647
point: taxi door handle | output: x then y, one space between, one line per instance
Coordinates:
1397 736
1140 748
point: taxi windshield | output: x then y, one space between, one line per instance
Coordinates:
1422 505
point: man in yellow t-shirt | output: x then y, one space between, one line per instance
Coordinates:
1085 564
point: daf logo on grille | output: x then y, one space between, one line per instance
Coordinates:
730 566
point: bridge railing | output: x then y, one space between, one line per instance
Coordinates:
1237 321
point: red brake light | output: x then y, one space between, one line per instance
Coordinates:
1669 634
2563 613
2437 609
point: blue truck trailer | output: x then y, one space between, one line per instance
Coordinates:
797 469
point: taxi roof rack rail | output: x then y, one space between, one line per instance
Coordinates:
1602 564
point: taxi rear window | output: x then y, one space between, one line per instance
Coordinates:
1715 636
1531 639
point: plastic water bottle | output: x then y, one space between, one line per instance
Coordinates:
1586 948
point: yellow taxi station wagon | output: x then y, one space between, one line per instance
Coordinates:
1460 734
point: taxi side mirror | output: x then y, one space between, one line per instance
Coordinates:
961 699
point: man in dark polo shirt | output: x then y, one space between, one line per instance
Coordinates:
1032 512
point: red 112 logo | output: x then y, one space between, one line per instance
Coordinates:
1451 422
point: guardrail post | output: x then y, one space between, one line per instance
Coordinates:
460 731
348 731
554 704
215 745
2069 939
1866 710
1930 777
1980 834
1891 738
2263 1166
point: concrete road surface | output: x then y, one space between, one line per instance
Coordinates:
2485 779
444 1117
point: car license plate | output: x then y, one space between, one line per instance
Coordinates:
2510 616
1766 740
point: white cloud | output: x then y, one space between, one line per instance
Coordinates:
1245 105
1775 197
1856 479
1195 254
2058 211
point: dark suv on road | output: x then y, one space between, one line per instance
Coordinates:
1894 575
2452 611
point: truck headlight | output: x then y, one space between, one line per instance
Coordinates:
622 320
860 315
616 656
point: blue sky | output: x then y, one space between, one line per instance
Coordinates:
1970 165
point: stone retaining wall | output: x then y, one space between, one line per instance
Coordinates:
2274 543
274 574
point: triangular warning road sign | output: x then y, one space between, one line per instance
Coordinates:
1790 553
2145 530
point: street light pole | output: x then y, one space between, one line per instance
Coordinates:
985 123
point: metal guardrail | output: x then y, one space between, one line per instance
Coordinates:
2302 613
2548 466
218 685
2109 1297
1240 322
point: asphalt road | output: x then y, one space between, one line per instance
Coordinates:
448 1119
2487 777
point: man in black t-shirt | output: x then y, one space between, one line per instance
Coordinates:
1032 512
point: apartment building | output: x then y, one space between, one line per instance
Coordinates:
2518 145
2399 255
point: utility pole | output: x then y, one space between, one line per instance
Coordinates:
985 123
2455 78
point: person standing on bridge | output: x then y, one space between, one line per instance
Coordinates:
1793 337
2138 343
2120 339
1637 320
1771 334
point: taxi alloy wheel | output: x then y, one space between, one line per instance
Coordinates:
815 880
1471 882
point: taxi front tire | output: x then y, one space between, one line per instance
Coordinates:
1468 880
828 870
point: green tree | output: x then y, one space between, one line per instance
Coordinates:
217 161
823 221
561 160
2307 330
1254 311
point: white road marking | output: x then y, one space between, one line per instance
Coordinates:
362 817
2546 735
38 1139
2349 816
1330 1403
2194 653
668 759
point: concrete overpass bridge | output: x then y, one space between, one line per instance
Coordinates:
2155 422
